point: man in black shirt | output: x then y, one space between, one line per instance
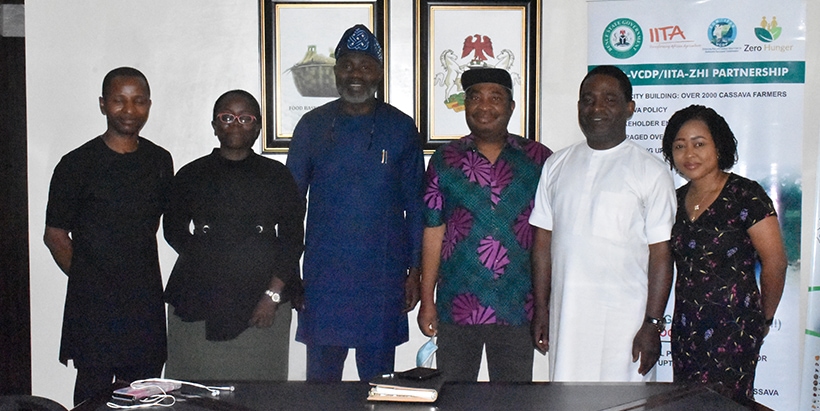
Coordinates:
105 201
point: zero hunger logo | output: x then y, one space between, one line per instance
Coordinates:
768 31
722 32
622 38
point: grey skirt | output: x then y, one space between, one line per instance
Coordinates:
258 354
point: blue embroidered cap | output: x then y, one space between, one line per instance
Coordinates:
359 39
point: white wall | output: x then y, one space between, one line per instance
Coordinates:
192 51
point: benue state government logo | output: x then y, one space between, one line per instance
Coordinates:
622 38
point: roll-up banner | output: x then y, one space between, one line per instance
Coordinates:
746 60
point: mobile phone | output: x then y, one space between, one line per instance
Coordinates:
131 395
419 373
135 392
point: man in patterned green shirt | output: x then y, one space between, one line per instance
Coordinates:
476 248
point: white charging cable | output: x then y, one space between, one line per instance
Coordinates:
165 386
215 391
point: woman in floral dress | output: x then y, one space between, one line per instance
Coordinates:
725 224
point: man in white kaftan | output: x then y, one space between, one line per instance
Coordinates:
604 208
604 211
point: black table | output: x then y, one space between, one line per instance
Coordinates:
299 395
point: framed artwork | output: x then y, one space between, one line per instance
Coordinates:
298 39
457 35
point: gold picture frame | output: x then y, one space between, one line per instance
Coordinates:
297 39
456 35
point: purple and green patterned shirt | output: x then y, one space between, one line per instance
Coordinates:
484 277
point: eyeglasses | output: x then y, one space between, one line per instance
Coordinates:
228 118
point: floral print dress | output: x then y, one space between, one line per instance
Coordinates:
718 321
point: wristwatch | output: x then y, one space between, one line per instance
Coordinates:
659 323
274 296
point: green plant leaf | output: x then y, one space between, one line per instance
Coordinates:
764 35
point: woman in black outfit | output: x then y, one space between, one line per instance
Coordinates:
236 220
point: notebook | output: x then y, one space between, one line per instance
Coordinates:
415 385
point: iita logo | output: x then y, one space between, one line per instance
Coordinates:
722 32
622 38
768 31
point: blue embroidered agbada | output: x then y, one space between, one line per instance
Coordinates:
363 178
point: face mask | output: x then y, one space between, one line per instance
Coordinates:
424 358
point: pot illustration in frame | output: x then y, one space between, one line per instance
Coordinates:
313 75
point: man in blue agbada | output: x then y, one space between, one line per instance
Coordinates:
361 163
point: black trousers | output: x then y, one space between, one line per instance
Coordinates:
94 381
509 352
